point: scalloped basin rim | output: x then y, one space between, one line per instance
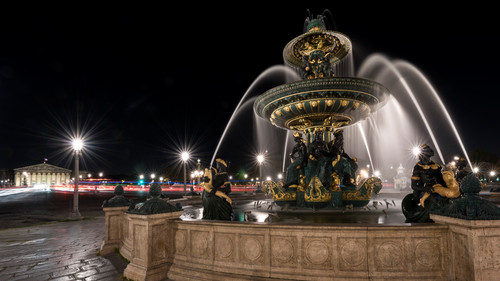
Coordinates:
343 94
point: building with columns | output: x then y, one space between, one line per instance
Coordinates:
41 174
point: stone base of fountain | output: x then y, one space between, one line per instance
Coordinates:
161 246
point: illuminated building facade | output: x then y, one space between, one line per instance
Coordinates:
41 174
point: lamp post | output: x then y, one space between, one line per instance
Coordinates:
200 172
260 159
141 180
185 158
77 147
246 183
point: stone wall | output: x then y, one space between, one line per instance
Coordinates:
162 246
239 251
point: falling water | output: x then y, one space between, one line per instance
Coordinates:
415 71
381 69
372 62
387 131
270 74
366 145
285 150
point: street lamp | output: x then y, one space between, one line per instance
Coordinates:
246 183
185 158
77 147
416 151
200 171
141 180
260 159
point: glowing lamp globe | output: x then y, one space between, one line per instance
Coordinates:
77 144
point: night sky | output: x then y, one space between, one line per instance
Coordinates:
146 81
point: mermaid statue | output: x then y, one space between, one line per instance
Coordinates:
216 187
432 187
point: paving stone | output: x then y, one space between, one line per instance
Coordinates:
103 275
66 271
106 268
30 276
63 278
87 273
59 251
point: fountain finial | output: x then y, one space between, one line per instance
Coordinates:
316 24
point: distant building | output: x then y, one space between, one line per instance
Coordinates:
41 174
401 180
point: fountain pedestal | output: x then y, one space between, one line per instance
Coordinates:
474 248
150 238
113 233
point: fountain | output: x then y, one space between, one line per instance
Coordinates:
320 106
328 105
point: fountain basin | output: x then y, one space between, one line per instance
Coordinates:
331 102
215 250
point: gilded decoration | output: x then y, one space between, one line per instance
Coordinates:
364 191
320 173
207 186
316 192
334 43
347 100
327 43
278 193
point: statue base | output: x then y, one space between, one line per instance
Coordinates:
317 196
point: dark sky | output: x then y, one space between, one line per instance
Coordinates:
147 80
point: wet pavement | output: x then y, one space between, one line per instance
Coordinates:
38 242
28 206
57 251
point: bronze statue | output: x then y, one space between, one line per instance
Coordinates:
428 178
298 159
318 159
460 171
118 200
216 187
426 173
317 65
342 164
154 205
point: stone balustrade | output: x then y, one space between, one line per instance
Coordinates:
161 246
113 234
148 244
